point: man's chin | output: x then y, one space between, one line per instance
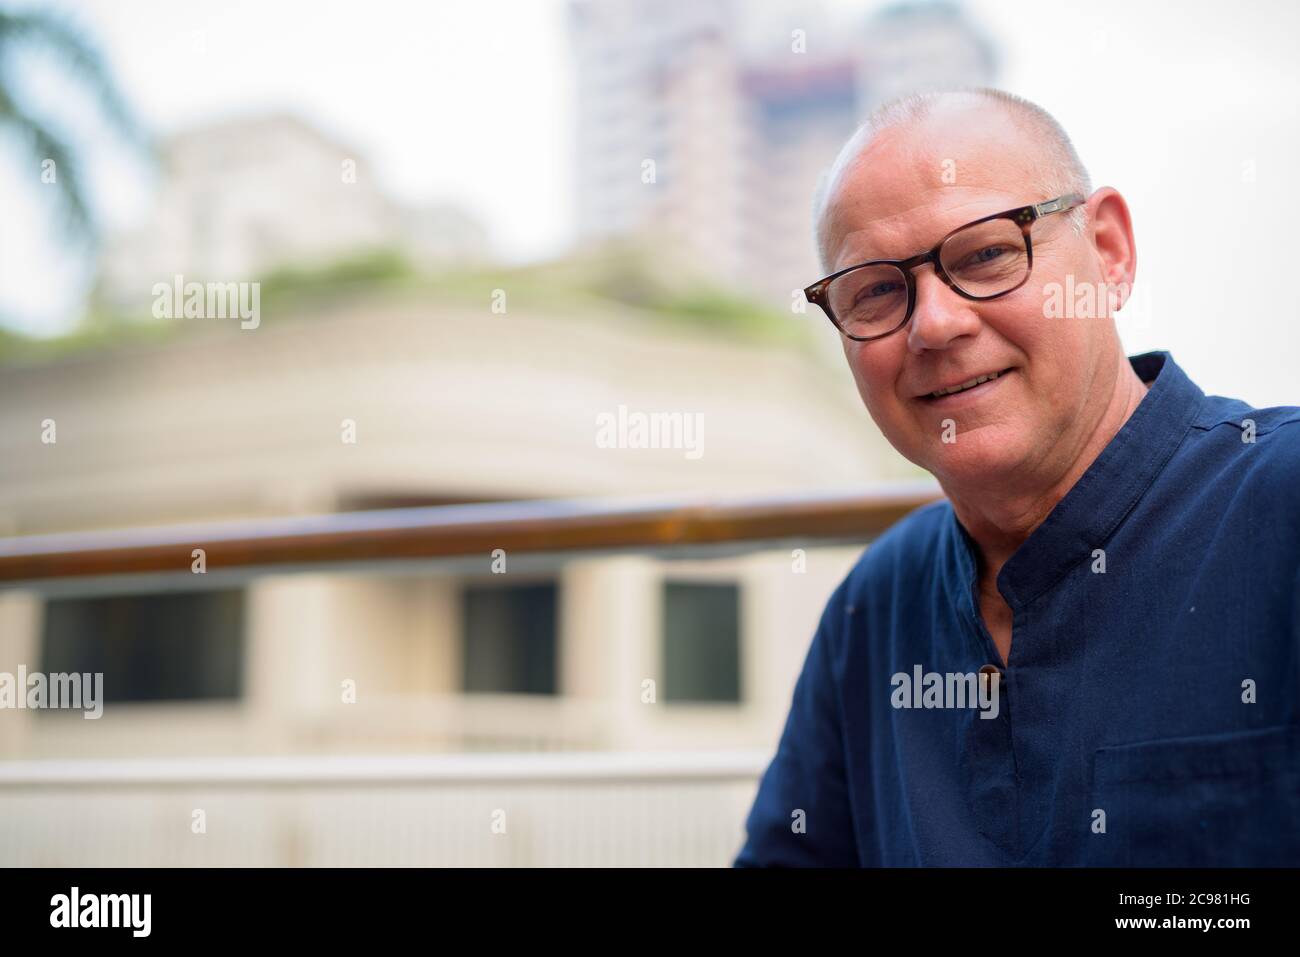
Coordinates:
985 455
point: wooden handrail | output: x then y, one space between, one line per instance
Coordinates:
531 527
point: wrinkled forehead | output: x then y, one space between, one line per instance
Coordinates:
911 184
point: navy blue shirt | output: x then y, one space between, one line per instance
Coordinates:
1147 713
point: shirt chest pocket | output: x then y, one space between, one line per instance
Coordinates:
1221 800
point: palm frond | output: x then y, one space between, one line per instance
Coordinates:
44 144
73 52
30 30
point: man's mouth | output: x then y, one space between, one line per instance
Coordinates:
964 386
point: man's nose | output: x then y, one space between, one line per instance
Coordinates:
940 315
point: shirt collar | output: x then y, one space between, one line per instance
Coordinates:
1095 506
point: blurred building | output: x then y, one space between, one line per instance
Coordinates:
913 46
738 132
448 404
241 197
224 689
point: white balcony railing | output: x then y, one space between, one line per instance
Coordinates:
486 810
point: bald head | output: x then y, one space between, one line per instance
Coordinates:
917 129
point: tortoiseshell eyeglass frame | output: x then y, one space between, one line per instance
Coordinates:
1023 216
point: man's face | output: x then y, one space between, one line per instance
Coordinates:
905 192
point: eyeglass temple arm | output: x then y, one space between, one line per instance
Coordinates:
1067 201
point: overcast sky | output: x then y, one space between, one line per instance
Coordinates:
1187 109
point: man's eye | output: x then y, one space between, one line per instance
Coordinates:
987 254
879 289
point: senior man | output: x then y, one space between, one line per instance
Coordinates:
1088 654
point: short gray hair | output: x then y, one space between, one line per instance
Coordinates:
1062 173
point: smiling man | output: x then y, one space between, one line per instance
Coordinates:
1117 560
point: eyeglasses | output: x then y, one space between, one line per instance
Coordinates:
982 260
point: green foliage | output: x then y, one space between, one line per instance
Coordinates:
595 287
98 333
632 279
297 288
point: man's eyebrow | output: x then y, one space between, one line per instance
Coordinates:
872 253
863 258
860 256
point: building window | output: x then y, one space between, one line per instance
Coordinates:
701 642
171 646
508 639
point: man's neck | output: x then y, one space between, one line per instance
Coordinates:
1000 519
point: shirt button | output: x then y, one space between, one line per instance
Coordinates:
987 679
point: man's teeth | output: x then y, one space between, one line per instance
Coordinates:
965 385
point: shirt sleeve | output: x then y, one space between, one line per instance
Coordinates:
802 815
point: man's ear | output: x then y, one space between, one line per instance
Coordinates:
1111 230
